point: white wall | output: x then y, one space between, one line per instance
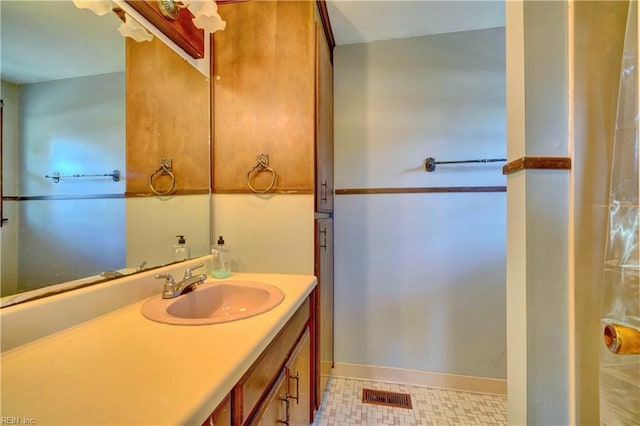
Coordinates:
272 233
420 278
539 331
153 222
70 126
9 233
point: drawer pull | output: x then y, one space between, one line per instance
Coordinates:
286 411
297 379
323 244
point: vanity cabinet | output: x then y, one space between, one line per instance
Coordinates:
221 416
298 371
289 400
275 409
271 84
277 387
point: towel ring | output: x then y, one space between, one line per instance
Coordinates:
261 166
164 169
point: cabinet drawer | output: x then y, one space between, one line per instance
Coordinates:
265 370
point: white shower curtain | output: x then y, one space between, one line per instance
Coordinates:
620 374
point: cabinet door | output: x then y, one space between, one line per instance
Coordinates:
274 410
324 123
324 309
264 96
299 381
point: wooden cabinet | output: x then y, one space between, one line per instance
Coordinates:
269 97
275 409
298 370
277 387
221 416
324 122
324 306
167 106
289 400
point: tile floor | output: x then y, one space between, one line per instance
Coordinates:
343 406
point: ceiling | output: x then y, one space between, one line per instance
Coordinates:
359 21
68 50
51 40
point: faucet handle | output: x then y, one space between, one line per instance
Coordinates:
169 285
187 273
168 277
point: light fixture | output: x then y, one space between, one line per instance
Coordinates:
206 17
99 7
132 28
171 8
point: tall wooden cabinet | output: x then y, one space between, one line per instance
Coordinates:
324 121
272 88
324 305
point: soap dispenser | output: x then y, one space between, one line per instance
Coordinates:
181 250
221 261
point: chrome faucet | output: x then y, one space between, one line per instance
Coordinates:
189 282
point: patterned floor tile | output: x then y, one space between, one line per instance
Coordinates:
343 406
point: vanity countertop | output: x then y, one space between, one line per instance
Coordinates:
124 369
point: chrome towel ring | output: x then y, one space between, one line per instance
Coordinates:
165 169
262 165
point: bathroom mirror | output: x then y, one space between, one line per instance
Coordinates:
64 158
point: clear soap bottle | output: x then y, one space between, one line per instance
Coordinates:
181 250
221 262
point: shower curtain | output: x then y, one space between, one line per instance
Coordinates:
620 373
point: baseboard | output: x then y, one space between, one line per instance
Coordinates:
422 378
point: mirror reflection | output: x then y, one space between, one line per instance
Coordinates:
64 99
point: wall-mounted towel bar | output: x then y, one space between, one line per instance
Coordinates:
115 175
430 163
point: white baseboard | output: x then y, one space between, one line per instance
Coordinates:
422 378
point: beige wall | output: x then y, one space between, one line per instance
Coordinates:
9 234
266 233
563 73
420 278
538 286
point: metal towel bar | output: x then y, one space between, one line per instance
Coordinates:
430 163
115 175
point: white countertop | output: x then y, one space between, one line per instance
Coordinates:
123 369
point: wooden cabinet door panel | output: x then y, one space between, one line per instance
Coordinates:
324 123
275 408
255 383
263 87
325 306
167 106
221 416
299 381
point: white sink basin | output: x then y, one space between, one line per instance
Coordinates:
215 303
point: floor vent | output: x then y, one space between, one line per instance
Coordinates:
391 399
